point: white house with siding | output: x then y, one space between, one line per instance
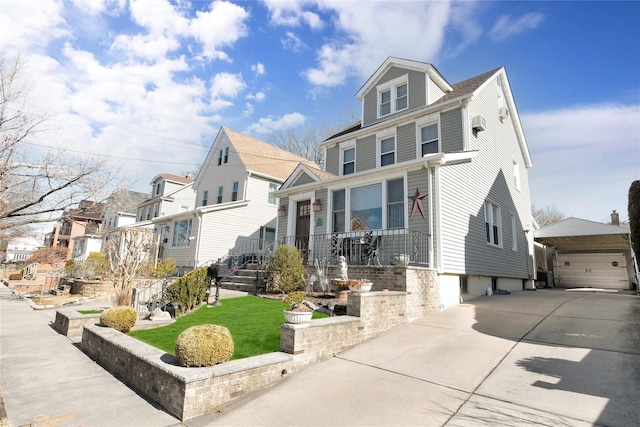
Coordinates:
434 174
170 194
235 204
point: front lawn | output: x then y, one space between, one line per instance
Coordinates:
254 324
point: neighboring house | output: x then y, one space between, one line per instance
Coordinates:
86 219
18 249
235 204
433 174
588 254
84 245
121 208
170 194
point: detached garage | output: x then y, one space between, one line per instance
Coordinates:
588 254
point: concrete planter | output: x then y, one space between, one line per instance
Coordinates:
297 316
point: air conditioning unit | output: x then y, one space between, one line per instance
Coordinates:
503 112
479 123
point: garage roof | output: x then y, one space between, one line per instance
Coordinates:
581 234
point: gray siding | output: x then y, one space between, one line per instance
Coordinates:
320 225
418 180
464 189
406 143
303 179
332 161
451 130
366 153
416 90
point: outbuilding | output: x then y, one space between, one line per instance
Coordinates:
591 254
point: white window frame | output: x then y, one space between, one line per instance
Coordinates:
432 119
349 145
516 174
272 200
493 223
392 87
384 135
220 154
205 197
234 191
220 194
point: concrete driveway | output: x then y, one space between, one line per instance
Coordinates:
550 357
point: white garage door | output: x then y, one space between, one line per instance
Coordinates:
607 271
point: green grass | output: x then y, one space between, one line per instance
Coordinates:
89 311
254 324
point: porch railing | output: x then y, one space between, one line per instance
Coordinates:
373 247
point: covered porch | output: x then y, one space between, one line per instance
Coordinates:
392 247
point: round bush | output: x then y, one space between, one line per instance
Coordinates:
121 318
204 345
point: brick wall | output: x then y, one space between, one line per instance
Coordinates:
71 323
92 287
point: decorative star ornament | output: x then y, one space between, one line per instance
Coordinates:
417 204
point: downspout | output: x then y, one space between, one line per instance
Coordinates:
198 237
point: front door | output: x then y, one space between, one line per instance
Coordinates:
303 227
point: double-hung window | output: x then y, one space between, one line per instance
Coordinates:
226 155
220 154
272 199
393 96
516 174
395 203
234 193
387 151
220 194
493 227
429 139
205 198
338 207
348 160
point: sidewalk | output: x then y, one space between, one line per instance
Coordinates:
46 380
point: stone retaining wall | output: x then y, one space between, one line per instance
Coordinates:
188 392
92 287
70 322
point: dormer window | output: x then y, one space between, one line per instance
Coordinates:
158 187
393 96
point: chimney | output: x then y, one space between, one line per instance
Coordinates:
189 176
615 218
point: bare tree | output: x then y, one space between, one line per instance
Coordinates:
127 253
305 142
547 215
36 186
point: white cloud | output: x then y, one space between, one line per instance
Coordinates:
366 33
25 27
96 7
507 26
223 25
258 68
227 85
258 96
291 13
269 124
292 42
584 158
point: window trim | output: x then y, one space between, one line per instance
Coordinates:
205 197
220 153
234 191
220 193
392 87
349 145
517 178
427 121
514 235
272 200
382 136
493 226
187 240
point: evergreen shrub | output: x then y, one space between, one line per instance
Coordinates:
121 318
204 345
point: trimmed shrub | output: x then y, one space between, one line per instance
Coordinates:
190 290
120 318
204 345
634 216
286 272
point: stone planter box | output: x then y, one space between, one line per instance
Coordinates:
70 322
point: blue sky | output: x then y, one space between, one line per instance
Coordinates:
150 82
